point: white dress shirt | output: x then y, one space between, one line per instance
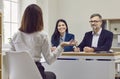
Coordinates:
96 38
62 38
35 43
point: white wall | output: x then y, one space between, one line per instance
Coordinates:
53 14
77 13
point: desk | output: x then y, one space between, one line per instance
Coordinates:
116 49
80 65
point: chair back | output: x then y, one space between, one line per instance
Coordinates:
22 66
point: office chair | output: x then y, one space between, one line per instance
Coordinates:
21 66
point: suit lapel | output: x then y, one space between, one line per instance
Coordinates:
66 37
90 39
101 38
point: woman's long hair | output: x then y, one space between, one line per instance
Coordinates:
32 20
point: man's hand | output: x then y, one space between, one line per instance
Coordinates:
88 49
76 49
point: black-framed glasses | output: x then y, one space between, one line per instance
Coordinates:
95 21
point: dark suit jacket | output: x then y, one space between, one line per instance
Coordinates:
68 37
104 42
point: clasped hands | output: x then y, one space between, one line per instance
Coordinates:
85 49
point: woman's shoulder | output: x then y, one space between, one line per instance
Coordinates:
43 34
15 34
70 34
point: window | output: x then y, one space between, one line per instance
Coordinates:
10 19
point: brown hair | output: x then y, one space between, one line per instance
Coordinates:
32 20
96 14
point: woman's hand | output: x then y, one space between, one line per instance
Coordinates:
70 43
53 48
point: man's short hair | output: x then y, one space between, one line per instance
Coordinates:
96 14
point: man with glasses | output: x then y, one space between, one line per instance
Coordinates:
96 40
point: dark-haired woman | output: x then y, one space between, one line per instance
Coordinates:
61 34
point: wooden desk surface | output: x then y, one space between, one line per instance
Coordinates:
90 54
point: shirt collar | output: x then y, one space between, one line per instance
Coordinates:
63 36
98 33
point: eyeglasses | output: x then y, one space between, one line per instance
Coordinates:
95 21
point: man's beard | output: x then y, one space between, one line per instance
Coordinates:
94 28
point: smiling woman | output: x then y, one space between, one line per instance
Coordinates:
61 34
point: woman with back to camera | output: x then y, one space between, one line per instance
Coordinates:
31 38
61 34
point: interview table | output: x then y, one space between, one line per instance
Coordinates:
81 65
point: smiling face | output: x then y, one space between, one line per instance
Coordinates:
61 28
96 23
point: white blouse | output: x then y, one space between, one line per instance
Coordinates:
36 44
